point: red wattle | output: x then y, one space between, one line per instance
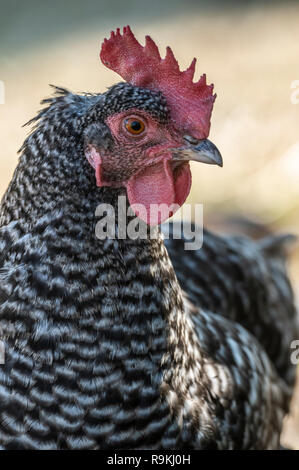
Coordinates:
158 185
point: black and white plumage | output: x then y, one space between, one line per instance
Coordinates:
103 349
245 281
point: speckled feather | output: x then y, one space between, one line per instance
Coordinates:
245 281
103 348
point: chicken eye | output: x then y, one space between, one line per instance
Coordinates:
134 126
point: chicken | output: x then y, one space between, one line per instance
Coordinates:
103 347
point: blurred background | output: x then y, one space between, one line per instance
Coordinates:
249 50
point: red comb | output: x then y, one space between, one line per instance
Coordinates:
190 103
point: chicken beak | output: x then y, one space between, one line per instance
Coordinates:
203 151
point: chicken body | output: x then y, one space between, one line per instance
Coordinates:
103 350
245 281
